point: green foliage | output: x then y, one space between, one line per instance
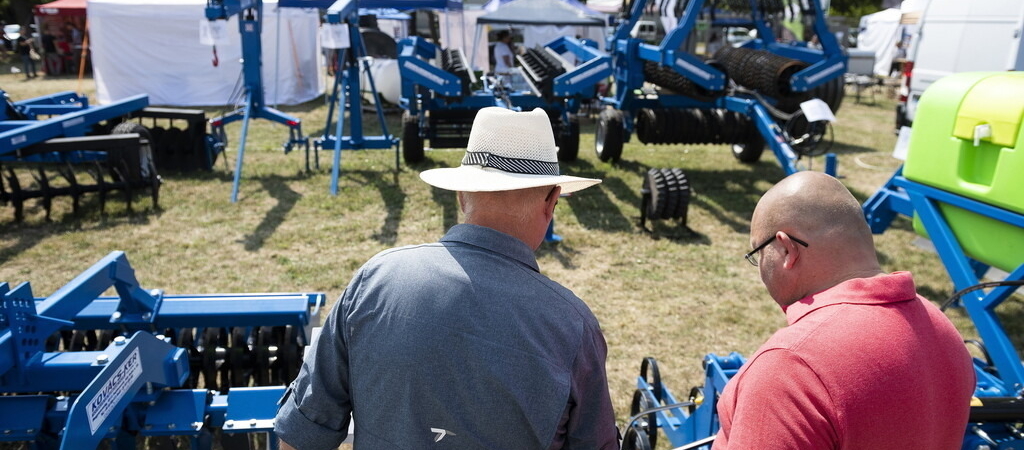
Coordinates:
854 8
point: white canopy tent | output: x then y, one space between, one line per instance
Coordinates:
879 33
542 21
153 47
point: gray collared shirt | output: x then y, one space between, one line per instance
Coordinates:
458 344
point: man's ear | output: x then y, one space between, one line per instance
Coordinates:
462 202
793 250
551 200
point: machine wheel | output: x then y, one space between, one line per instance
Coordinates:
650 364
139 166
646 426
569 140
412 143
670 199
635 439
749 149
608 137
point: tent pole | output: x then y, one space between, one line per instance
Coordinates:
476 41
85 54
277 57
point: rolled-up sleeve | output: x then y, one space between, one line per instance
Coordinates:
316 409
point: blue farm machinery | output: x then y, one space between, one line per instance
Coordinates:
441 92
960 186
250 25
344 126
59 145
747 97
145 369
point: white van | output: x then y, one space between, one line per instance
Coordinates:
960 36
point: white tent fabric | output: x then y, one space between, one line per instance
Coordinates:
152 47
879 33
605 6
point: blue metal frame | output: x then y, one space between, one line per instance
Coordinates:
250 24
127 387
71 117
902 196
426 87
683 425
347 86
1000 377
629 55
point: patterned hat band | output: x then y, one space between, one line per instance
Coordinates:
513 165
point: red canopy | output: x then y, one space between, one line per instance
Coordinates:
61 8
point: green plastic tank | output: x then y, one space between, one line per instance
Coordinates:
968 139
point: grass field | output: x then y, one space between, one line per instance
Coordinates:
672 293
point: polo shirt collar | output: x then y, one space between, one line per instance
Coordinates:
493 240
877 290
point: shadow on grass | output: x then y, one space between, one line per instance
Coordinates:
849 149
25 235
277 187
725 194
394 201
675 231
449 206
563 253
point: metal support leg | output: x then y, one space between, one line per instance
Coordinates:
338 136
241 148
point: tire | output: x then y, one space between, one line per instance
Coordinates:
139 165
569 140
670 199
412 142
608 137
646 431
750 147
635 440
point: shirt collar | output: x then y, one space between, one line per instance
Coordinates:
882 289
493 240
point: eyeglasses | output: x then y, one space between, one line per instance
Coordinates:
752 255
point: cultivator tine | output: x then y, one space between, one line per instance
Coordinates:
97 174
74 189
16 195
154 187
3 190
44 187
121 174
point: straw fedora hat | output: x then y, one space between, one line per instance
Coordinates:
507 150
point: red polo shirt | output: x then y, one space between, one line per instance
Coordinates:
867 364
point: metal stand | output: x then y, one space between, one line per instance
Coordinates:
250 20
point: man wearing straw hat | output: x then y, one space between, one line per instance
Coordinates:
463 343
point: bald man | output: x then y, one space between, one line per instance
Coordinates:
865 362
